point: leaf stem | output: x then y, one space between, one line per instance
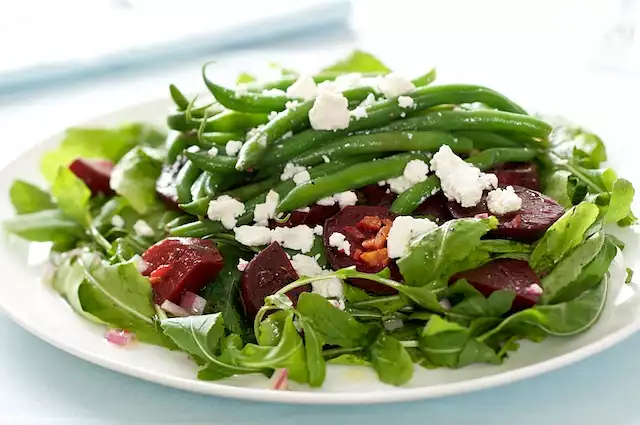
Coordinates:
334 352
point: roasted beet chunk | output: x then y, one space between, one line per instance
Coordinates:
166 183
435 207
523 174
515 275
376 195
95 173
365 229
537 214
317 214
178 265
268 272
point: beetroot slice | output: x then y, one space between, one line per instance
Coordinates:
515 275
435 207
166 183
317 214
95 173
376 195
523 174
537 214
266 273
178 265
345 222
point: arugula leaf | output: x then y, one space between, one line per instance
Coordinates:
315 361
358 61
504 246
28 198
72 195
350 360
105 143
270 328
475 305
68 277
120 296
475 351
391 360
245 78
560 186
134 177
335 327
46 226
197 335
444 251
566 273
620 201
575 142
564 235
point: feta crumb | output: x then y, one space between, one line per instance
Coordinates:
143 229
327 202
342 83
213 151
445 303
382 183
290 170
292 104
393 324
233 147
406 229
318 230
359 112
255 131
309 267
242 264
339 241
393 85
403 114
301 177
226 210
414 172
242 89
303 209
299 237
461 181
304 88
337 303
405 101
267 210
368 101
534 289
272 115
117 221
287 135
409 136
193 149
345 199
326 159
330 111
273 92
253 235
503 201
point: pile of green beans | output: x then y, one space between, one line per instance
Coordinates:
275 130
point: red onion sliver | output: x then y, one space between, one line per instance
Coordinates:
174 309
280 380
193 303
118 336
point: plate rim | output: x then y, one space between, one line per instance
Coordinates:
301 397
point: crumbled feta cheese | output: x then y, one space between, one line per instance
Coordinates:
242 89
368 101
327 202
292 104
503 201
273 92
445 303
359 112
299 238
382 183
193 149
344 199
409 136
534 289
326 159
303 209
393 324
253 235
255 131
406 229
309 267
142 228
301 177
337 303
226 210
414 172
287 135
342 83
461 181
318 230
330 111
272 115
393 85
290 170
339 241
403 114
233 147
405 101
267 210
242 265
117 221
304 88
213 151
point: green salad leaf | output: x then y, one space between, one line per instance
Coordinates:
72 195
390 360
620 203
46 226
68 277
245 78
475 305
28 198
197 335
358 61
134 177
316 364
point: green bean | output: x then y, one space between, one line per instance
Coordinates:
349 178
217 183
197 207
426 79
184 180
498 121
287 81
179 221
288 149
198 229
384 142
484 139
176 143
216 164
410 199
249 191
290 120
218 139
212 183
224 122
178 98
197 188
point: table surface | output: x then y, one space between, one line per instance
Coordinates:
42 385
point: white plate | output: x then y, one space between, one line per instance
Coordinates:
41 311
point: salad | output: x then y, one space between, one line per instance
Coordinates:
354 216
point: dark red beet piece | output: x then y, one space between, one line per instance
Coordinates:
178 265
505 274
268 272
435 207
95 173
166 183
377 195
345 222
317 214
523 174
528 224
